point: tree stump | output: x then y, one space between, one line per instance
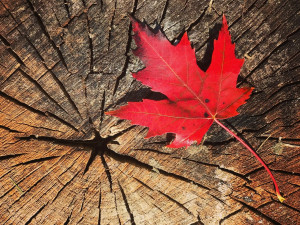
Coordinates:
64 63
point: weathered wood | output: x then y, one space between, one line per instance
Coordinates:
64 63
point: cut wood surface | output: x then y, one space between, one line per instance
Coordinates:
64 63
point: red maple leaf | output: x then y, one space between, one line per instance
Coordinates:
195 98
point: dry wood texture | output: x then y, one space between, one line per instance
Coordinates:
63 63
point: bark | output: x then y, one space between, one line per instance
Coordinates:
64 63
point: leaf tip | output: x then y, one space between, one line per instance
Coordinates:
224 20
132 19
110 113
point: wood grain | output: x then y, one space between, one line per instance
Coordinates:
63 161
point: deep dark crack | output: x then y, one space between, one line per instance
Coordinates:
45 31
164 11
127 205
34 215
5 157
257 212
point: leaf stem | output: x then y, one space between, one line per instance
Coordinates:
281 199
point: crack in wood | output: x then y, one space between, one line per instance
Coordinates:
280 90
41 89
6 157
267 111
199 222
219 200
62 121
102 110
28 190
43 159
290 207
11 51
44 29
257 25
104 149
151 150
91 47
164 11
221 142
230 215
108 174
142 183
255 171
10 129
250 188
217 166
24 105
35 214
197 21
83 199
257 212
35 49
127 204
116 206
66 5
99 207
19 103
262 62
68 219
134 161
86 101
64 90
176 202
37 127
99 148
282 139
284 171
40 179
111 26
125 66
127 49
64 186
67 142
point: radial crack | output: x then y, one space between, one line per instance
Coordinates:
5 157
19 103
68 219
176 202
66 5
218 166
257 212
134 161
34 215
64 90
230 215
39 87
107 172
11 51
99 207
64 186
190 27
164 11
36 160
62 121
9 129
127 205
129 40
111 25
44 29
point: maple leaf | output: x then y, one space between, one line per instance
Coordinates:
195 98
